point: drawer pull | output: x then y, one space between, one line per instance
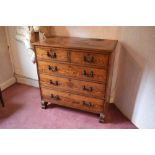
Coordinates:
53 68
90 89
89 104
88 58
91 74
51 54
56 97
54 83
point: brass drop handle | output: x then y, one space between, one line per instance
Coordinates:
91 74
51 54
90 89
52 68
54 83
88 58
56 97
89 104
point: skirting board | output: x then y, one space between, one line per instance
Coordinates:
8 83
27 81
111 99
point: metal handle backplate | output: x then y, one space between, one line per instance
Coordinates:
51 54
89 104
90 89
56 97
55 83
53 68
88 59
91 74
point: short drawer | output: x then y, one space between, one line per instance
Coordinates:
89 58
79 87
72 100
79 72
51 54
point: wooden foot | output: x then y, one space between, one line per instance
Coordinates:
102 118
1 99
44 104
2 104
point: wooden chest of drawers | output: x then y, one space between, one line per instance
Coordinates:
73 72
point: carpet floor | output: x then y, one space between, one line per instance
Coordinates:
22 111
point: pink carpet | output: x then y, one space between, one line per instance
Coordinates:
22 110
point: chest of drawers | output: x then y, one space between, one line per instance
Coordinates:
74 72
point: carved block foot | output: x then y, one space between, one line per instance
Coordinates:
102 118
44 104
2 104
1 101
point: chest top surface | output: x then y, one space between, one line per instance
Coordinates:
79 43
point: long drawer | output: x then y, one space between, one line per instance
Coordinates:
72 100
89 58
47 53
68 70
77 86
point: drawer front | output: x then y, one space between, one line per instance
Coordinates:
51 54
74 101
79 87
79 72
89 58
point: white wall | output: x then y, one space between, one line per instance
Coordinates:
104 32
135 94
6 68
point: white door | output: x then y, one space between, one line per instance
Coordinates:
6 69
